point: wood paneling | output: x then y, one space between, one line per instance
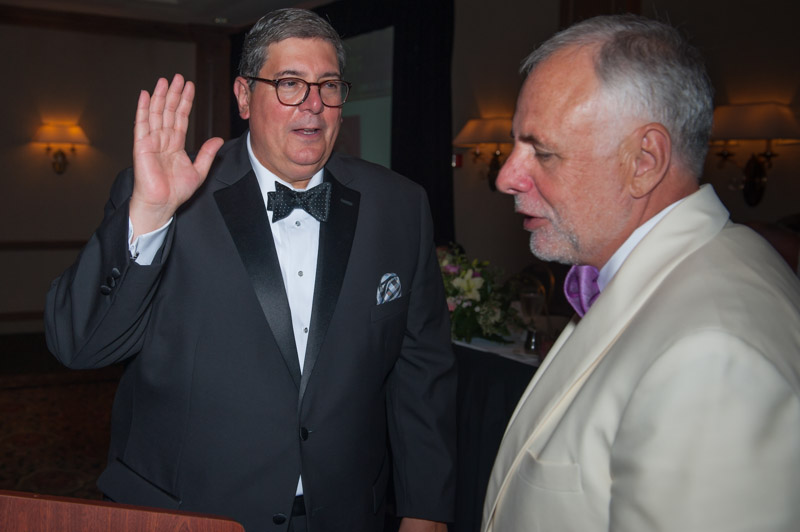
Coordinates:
23 512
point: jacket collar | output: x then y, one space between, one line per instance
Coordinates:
584 342
242 207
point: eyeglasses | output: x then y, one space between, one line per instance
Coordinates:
294 91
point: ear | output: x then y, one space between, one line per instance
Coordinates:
650 156
241 89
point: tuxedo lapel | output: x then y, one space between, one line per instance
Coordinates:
242 207
335 242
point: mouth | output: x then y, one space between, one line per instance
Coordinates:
307 131
531 222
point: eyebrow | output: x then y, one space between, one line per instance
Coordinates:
296 74
537 143
530 139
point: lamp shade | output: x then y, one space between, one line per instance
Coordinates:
484 131
61 134
755 121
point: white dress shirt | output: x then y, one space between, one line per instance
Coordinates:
297 244
610 268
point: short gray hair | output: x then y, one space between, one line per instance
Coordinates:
284 24
649 68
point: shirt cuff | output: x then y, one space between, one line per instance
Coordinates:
145 247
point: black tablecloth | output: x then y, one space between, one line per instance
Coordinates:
489 387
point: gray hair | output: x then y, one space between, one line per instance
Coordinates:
284 24
649 69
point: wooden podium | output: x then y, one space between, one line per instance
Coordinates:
29 512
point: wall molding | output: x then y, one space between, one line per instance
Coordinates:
101 24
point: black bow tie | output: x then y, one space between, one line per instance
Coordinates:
315 201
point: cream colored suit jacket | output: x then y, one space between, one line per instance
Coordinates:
674 404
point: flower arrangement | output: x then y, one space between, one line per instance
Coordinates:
479 306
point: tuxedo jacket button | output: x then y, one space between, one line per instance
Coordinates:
105 290
303 433
115 273
110 281
278 519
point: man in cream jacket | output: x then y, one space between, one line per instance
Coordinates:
673 403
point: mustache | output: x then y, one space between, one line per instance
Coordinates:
520 208
311 124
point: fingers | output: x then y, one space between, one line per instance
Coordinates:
166 100
167 108
202 163
157 102
174 97
184 107
141 125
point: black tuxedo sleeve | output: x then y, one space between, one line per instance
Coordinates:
97 310
422 393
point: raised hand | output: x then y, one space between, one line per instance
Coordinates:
164 176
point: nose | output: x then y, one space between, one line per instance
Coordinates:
513 177
313 101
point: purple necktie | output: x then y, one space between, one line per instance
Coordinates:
580 287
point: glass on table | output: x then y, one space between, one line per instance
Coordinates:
532 298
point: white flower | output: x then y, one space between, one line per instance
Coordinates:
468 285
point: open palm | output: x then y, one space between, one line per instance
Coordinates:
164 175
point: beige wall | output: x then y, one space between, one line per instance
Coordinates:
95 79
63 75
752 51
491 39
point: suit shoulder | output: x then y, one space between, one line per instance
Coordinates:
231 145
734 287
367 177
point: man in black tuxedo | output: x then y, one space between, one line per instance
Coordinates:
272 355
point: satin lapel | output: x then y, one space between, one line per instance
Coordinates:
581 347
242 207
335 242
570 361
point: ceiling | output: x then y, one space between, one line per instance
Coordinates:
233 13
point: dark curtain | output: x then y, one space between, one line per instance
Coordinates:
422 136
421 102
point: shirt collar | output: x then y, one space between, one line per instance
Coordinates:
267 180
613 265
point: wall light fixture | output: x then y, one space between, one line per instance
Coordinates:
768 122
479 131
60 136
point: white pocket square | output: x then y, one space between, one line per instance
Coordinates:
389 288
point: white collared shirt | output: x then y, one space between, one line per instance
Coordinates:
610 268
297 244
